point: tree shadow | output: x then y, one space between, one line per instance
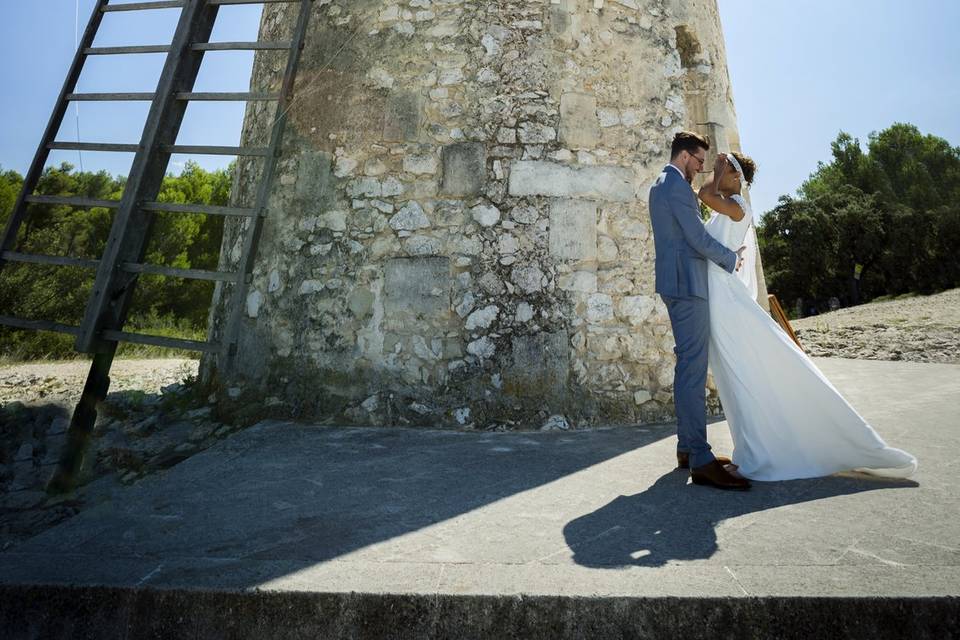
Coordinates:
674 520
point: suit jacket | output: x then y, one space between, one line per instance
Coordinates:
682 244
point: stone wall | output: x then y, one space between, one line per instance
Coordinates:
459 231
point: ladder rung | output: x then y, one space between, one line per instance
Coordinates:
226 96
94 146
110 51
39 258
198 208
76 201
39 325
109 96
160 341
223 2
216 151
173 272
239 46
137 6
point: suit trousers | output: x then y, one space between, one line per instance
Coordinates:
690 320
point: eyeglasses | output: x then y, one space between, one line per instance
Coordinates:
699 159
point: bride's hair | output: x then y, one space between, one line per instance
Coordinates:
747 164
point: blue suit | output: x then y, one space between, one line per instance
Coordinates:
683 247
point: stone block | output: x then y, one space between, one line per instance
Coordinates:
544 178
464 169
573 229
418 287
579 125
401 119
540 363
313 177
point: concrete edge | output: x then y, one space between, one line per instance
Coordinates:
50 611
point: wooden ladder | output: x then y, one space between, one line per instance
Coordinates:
122 261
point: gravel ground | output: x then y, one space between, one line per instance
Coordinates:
916 329
63 381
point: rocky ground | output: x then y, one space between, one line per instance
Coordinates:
152 419
916 329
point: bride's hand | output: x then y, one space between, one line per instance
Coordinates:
719 166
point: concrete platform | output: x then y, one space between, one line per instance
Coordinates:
286 530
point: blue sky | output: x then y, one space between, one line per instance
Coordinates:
801 72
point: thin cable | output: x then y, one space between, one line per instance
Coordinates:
76 105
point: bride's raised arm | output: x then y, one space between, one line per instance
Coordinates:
714 198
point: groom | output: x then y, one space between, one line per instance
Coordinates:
683 247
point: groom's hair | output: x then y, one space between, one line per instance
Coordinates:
688 141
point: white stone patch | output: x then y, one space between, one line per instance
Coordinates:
642 396
490 44
507 244
485 215
273 281
482 318
423 351
466 305
525 215
374 167
370 404
506 136
487 76
410 218
482 348
254 301
536 133
607 250
529 278
333 220
344 167
391 187
451 76
599 308
380 78
581 281
629 117
365 187
608 117
636 309
423 245
421 164
462 415
573 229
555 423
524 312
310 286
543 178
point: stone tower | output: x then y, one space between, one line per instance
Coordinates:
459 230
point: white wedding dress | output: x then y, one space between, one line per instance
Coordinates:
786 419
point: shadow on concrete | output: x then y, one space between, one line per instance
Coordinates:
281 497
676 520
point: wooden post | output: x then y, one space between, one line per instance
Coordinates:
777 312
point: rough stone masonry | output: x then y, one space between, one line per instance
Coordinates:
459 234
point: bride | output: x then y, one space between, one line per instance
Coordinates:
786 419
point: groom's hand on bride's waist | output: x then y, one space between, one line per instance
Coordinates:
740 256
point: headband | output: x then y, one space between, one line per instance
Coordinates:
736 165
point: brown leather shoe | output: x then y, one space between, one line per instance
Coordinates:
683 460
714 475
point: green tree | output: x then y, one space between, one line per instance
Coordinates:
891 209
59 293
